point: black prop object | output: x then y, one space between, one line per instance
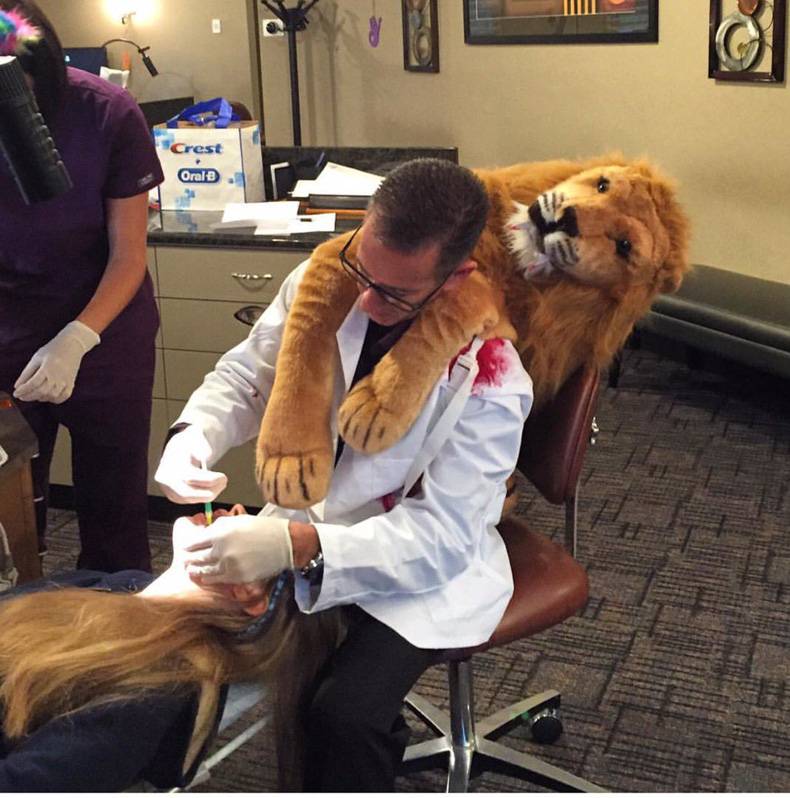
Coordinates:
293 20
149 64
25 140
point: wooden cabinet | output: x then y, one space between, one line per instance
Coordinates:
202 294
198 325
17 516
19 521
185 371
233 275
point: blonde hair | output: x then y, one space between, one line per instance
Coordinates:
69 649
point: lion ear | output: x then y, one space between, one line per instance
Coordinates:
676 225
675 266
670 279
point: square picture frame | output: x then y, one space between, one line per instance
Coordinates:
420 35
560 21
737 42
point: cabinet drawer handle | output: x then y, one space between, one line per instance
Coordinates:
247 276
249 314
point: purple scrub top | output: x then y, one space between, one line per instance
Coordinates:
54 253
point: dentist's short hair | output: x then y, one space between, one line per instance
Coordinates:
429 200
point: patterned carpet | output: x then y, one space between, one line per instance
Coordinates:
675 677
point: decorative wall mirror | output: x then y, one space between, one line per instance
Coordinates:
420 35
747 40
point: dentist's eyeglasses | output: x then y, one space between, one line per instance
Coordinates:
385 293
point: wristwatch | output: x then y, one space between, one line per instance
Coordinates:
314 569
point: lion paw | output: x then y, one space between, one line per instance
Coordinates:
366 424
294 480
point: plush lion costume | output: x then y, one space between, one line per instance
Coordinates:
572 254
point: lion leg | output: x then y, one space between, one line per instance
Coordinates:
295 449
380 409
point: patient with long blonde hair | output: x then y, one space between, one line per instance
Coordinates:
71 656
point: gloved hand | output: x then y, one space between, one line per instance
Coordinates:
52 371
181 474
239 549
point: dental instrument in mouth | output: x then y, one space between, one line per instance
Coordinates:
207 509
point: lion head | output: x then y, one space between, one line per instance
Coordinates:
614 227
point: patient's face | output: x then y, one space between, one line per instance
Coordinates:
253 598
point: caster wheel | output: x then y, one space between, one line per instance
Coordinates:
546 726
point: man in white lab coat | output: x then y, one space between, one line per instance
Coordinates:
416 574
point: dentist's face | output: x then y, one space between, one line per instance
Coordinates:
393 284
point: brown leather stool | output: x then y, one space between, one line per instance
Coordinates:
555 441
549 586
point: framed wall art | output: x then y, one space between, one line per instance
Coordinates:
420 35
559 21
746 40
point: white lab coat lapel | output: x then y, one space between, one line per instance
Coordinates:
396 459
350 338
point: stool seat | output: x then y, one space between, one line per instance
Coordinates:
548 587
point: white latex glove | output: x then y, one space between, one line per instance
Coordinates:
52 371
181 474
239 549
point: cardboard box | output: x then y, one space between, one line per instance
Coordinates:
205 168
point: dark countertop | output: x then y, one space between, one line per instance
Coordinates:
308 161
16 437
193 229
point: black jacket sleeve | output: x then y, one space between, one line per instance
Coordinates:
102 749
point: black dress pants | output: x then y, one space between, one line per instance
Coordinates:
356 734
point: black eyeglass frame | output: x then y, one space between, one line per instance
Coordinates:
385 294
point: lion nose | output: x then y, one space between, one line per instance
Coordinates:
567 223
536 217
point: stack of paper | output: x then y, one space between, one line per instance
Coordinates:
273 218
338 180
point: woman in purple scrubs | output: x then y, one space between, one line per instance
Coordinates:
77 311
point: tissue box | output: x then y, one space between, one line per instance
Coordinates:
206 168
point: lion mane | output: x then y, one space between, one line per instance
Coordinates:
572 255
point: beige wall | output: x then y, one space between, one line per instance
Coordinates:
192 61
727 144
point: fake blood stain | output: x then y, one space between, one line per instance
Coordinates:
389 501
492 360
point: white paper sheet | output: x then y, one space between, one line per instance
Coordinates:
275 215
345 181
315 223
303 189
273 218
273 227
253 212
